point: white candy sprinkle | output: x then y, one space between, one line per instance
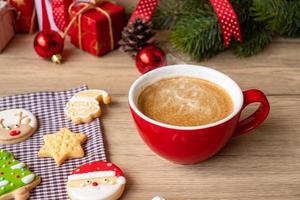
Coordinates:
158 198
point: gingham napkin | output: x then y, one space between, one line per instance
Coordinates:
48 107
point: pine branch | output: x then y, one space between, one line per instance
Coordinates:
200 39
195 28
253 43
255 34
281 16
170 12
241 7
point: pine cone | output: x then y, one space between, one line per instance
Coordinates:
136 36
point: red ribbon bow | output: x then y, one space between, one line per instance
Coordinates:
228 20
227 17
59 13
145 9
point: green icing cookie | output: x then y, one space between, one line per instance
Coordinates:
13 173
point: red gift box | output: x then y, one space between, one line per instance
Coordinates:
7 20
26 22
97 28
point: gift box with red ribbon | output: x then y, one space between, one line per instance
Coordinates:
7 20
96 28
26 21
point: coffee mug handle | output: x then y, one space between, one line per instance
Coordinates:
254 120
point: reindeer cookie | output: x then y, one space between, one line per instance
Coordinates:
16 125
84 106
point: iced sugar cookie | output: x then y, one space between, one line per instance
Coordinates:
16 180
63 145
99 95
96 181
84 106
16 125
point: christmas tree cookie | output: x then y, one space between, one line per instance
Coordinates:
16 180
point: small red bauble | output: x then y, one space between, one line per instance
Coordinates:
149 58
49 44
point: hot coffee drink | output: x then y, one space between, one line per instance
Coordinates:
185 101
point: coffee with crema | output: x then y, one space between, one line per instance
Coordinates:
185 101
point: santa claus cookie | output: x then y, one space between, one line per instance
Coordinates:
16 125
96 181
84 106
16 180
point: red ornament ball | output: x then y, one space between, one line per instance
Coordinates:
149 58
48 43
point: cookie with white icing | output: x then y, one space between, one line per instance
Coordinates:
96 181
16 180
16 125
84 106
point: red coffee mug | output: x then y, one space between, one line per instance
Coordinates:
192 144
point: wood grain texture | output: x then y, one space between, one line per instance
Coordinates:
264 165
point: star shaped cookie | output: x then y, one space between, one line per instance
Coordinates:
63 145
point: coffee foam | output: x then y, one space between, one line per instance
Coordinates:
185 101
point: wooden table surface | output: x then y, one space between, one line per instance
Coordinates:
263 165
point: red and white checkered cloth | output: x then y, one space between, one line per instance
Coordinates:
48 107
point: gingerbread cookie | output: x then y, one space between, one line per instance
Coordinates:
84 106
63 145
16 125
16 180
96 181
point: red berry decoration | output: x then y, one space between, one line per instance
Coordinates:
49 44
149 58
